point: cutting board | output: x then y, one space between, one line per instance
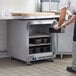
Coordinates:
33 14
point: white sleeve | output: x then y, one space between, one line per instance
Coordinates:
63 4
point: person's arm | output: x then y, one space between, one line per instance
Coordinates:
61 19
72 19
62 16
61 22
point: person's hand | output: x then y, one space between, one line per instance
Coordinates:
56 27
63 25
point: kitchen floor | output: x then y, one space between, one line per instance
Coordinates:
42 68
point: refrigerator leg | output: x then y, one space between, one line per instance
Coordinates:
28 63
61 56
10 58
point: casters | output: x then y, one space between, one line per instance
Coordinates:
51 60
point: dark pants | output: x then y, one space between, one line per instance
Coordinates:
74 37
74 49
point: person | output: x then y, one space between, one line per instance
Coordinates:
64 6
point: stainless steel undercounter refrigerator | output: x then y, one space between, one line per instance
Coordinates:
31 39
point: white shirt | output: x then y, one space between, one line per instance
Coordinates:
69 4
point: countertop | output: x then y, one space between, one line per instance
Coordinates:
29 16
